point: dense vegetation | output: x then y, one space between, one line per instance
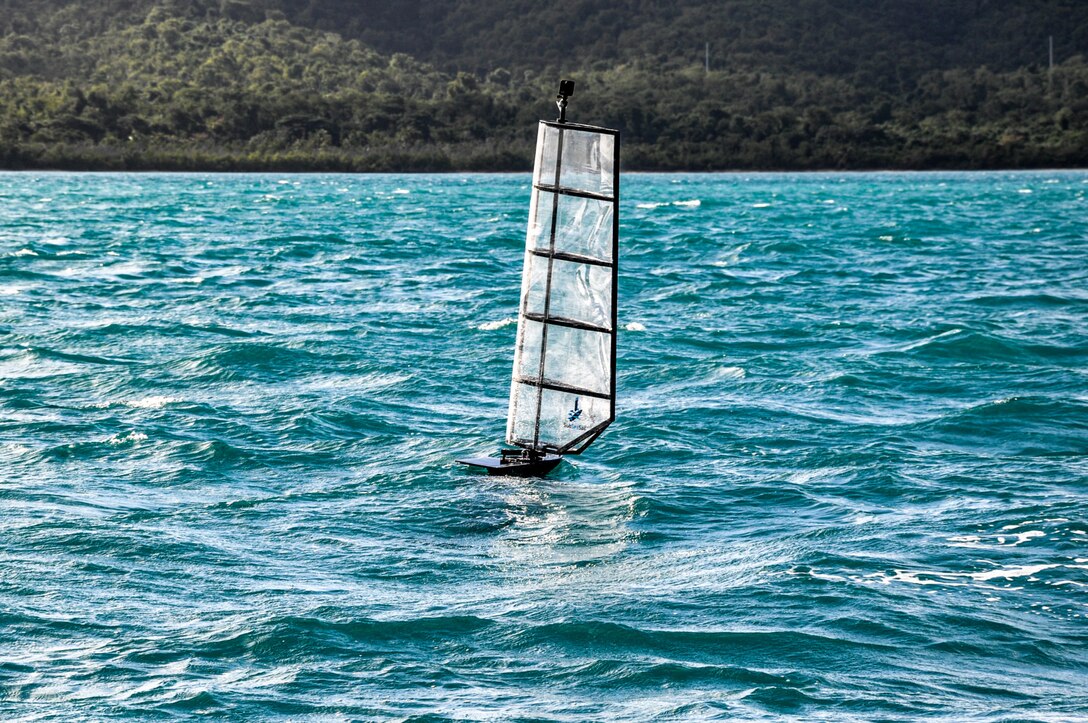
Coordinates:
458 84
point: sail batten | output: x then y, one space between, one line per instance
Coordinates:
577 258
571 323
563 387
560 387
563 191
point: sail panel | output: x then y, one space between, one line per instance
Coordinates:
588 162
579 358
541 234
579 292
527 356
565 417
583 225
521 423
546 170
563 389
541 212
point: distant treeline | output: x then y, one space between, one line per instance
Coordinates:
235 85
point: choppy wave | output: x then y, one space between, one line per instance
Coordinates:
846 481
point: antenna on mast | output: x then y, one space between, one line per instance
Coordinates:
566 90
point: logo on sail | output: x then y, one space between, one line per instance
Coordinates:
574 416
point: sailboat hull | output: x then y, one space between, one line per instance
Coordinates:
515 466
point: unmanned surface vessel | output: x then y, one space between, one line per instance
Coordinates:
563 390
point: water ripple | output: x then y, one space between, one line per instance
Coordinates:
846 481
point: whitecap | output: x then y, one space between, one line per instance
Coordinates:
401 192
153 402
812 475
139 690
911 346
941 578
977 541
729 373
1008 573
693 203
761 205
961 579
966 541
127 268
634 326
493 325
226 271
1022 537
131 437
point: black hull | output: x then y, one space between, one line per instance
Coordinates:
516 466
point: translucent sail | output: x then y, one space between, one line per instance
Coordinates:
564 387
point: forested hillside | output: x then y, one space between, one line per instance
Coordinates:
459 84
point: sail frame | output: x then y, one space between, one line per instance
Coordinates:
531 353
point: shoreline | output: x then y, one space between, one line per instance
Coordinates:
507 172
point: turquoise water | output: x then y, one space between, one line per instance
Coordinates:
847 480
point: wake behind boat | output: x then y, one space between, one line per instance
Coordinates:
563 387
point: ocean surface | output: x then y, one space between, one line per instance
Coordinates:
848 480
